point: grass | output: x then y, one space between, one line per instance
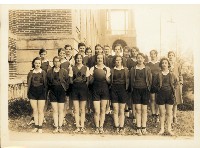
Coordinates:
184 127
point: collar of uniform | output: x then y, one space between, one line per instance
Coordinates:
118 68
136 67
153 62
64 60
68 58
45 60
40 71
79 66
134 59
56 70
99 68
165 73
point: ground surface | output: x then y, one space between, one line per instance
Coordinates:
184 127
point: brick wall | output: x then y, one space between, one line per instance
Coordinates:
40 22
12 58
51 29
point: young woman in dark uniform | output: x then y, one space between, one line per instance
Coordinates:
141 80
44 66
58 83
155 69
79 77
37 90
165 84
118 93
132 62
100 77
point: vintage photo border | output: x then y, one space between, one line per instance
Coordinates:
195 142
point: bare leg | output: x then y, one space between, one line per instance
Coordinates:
116 114
55 113
169 118
60 113
174 112
76 112
121 114
144 115
138 114
41 104
96 112
103 112
82 111
162 119
35 113
153 103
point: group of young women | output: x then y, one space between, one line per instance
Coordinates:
103 81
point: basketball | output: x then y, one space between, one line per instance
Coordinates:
99 74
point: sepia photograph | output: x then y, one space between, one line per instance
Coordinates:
94 76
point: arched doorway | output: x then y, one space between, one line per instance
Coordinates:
122 42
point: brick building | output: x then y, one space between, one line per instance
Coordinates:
31 30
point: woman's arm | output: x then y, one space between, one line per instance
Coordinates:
70 75
91 78
108 74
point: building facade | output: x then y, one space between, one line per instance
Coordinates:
31 30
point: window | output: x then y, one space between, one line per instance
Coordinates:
118 21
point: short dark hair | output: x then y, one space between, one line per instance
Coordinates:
126 47
37 58
171 52
160 64
42 50
97 46
106 46
117 45
156 52
81 44
68 46
141 55
60 49
88 48
97 56
76 56
114 60
56 57
136 48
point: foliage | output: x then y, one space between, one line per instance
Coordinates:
18 108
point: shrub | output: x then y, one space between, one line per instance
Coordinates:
18 108
188 92
21 108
